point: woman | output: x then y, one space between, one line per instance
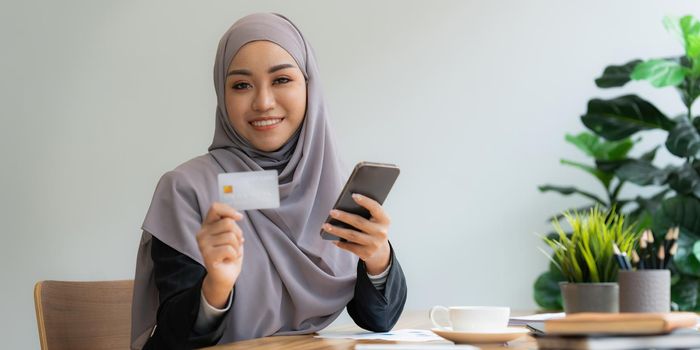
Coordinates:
207 274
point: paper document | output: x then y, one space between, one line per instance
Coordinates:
418 335
522 320
413 347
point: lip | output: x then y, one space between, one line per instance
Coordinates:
266 127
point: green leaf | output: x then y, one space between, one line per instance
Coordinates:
686 259
660 73
693 48
609 165
650 155
646 207
687 30
580 210
621 117
672 25
546 288
641 173
690 27
599 148
584 141
616 76
689 89
683 140
696 251
685 180
685 293
569 191
604 177
682 211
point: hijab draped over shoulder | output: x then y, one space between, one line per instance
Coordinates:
292 281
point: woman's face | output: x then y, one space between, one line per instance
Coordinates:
265 95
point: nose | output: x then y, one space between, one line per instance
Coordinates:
264 100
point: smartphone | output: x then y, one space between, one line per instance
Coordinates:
373 180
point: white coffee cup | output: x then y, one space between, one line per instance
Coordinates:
472 318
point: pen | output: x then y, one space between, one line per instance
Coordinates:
668 238
671 253
618 256
652 254
626 260
639 264
661 264
643 250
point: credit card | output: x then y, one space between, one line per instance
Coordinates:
250 190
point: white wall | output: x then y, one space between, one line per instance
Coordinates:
470 98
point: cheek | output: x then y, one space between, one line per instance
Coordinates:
296 104
235 111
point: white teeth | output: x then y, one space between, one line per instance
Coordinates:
266 122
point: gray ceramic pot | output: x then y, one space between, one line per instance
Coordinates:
645 290
590 297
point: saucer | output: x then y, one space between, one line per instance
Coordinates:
495 336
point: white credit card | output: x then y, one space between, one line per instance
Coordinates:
250 190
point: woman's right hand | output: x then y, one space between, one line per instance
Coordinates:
220 241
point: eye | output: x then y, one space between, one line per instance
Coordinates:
240 86
281 80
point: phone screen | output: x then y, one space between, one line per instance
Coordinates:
373 180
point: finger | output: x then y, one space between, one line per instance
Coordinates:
224 253
348 234
352 248
375 229
221 210
228 238
239 251
353 220
375 209
225 225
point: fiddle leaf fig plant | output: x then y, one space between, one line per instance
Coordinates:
675 196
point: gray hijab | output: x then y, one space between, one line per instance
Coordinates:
292 282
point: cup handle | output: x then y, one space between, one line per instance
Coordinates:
439 309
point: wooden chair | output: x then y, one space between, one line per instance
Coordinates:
83 315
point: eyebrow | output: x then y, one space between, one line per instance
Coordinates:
271 70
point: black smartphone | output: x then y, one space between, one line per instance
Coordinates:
373 180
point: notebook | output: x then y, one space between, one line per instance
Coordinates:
620 323
684 338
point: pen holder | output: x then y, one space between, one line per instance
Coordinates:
590 297
645 290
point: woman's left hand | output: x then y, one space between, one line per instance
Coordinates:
370 240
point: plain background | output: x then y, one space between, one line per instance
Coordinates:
471 98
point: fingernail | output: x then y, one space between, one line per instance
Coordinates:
327 227
356 196
334 213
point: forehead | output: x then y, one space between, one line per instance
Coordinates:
261 54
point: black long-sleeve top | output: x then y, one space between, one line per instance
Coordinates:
179 282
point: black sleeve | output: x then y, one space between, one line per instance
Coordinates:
373 310
179 282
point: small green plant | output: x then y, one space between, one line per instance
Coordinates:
586 255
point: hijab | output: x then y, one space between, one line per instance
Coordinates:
292 281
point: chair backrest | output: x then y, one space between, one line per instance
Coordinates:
83 315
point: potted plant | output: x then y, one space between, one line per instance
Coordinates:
585 258
675 200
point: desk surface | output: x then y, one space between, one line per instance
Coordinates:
410 319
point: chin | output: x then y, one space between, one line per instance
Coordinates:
269 147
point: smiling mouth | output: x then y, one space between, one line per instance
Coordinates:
266 124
